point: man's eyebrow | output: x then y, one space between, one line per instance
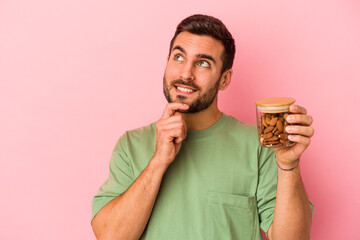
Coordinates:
206 57
201 55
180 49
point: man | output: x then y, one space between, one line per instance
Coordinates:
198 173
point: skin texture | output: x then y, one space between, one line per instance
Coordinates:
195 63
198 73
203 68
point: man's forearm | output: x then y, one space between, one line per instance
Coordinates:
292 216
126 216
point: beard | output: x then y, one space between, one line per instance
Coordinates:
202 102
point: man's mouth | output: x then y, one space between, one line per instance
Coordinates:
186 90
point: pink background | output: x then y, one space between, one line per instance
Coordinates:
74 75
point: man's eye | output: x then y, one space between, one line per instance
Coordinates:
204 64
178 58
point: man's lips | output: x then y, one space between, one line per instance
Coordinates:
184 88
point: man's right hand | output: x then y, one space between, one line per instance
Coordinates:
170 132
109 222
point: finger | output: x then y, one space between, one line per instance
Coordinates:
177 135
172 119
305 141
301 119
171 125
184 127
172 107
175 121
300 130
181 137
297 109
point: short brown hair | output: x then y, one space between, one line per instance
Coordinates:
210 26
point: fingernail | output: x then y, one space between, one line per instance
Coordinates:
294 107
290 118
289 129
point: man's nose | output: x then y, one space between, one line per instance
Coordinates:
187 72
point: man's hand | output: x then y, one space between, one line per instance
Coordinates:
299 133
134 206
170 132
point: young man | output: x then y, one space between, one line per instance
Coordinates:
198 173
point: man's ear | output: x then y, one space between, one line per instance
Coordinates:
225 79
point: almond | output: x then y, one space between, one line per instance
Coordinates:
268 135
274 130
273 138
280 125
263 121
273 121
268 129
272 143
283 136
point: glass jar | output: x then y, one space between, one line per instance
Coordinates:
271 116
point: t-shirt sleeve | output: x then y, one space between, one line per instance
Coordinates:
120 178
266 189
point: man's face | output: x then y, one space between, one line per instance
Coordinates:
193 71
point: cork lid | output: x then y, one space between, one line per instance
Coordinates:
274 105
275 102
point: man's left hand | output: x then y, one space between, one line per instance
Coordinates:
300 133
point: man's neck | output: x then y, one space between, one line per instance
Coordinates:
203 119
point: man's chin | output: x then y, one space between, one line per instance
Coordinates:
184 100
180 99
181 111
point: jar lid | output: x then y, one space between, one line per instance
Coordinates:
274 105
275 102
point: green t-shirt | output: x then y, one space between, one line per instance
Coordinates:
221 185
